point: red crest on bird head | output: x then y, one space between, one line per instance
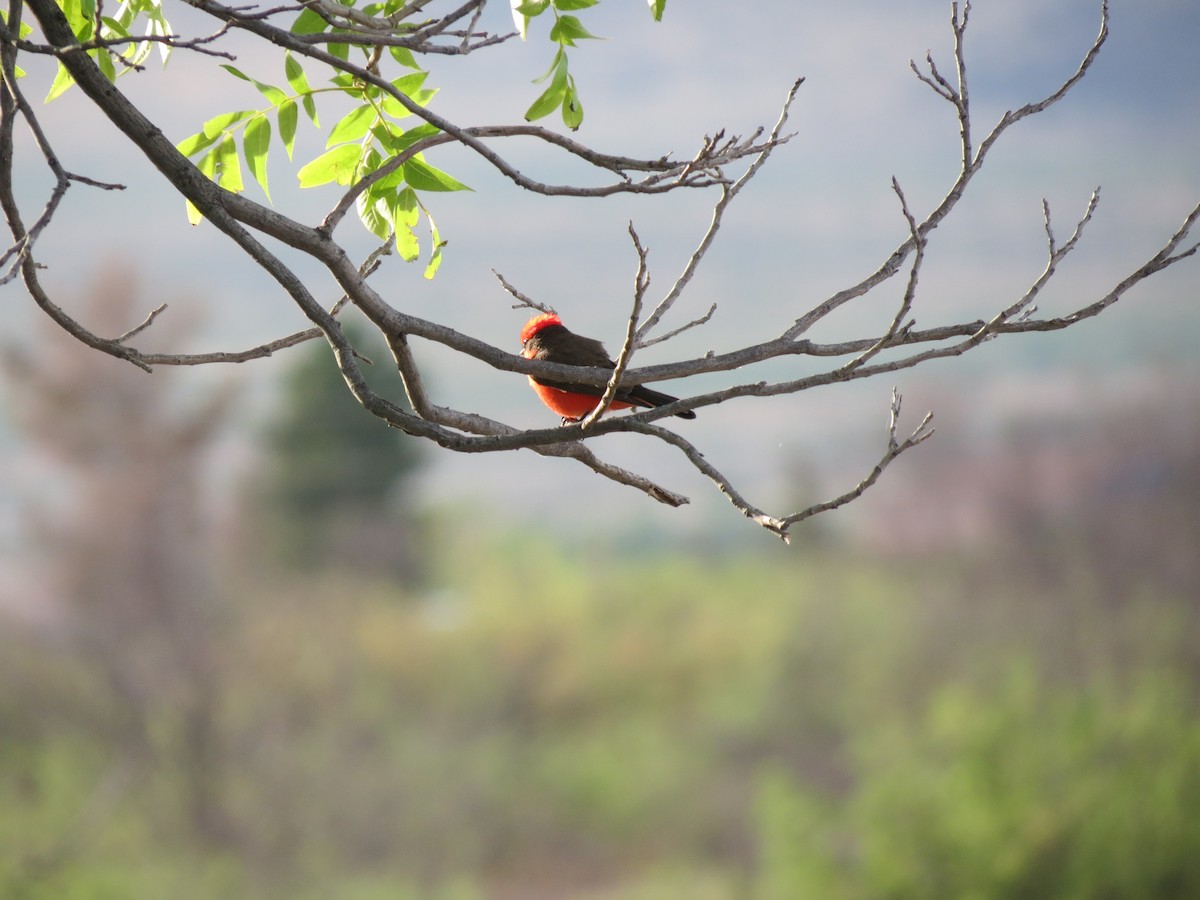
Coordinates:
537 323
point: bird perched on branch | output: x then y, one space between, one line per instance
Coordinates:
545 337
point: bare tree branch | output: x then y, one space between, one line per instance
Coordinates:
249 224
971 164
727 194
895 447
910 289
641 281
681 329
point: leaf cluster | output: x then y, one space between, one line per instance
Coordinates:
561 92
112 40
367 145
372 150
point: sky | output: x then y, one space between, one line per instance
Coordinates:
818 217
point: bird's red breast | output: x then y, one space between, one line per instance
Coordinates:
570 404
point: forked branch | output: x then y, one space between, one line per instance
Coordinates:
723 163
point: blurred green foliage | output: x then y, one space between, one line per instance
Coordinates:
337 486
1010 791
549 721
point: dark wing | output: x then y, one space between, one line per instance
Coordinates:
556 344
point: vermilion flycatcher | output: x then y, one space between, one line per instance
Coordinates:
545 337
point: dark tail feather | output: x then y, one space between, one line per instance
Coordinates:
649 397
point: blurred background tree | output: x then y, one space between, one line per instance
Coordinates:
122 524
572 720
339 486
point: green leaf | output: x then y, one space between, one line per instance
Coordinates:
549 101
193 144
388 182
138 52
218 124
229 167
408 84
572 109
208 168
394 108
424 177
273 94
559 62
407 244
372 213
160 27
24 31
295 74
338 164
404 208
208 163
79 14
568 29
298 82
405 57
113 28
104 62
353 125
566 5
308 22
435 259
125 15
411 87
256 141
524 10
78 18
656 9
552 97
62 81
287 125
395 143
369 162
413 135
236 72
310 108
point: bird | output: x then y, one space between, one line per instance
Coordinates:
545 337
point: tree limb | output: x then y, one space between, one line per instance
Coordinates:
247 223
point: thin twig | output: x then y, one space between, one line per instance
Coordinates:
523 300
641 281
910 289
146 323
728 192
971 165
681 329
895 447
